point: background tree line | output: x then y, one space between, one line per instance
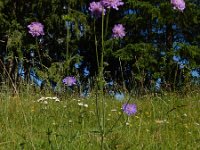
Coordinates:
161 44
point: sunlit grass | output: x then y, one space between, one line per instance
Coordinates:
167 121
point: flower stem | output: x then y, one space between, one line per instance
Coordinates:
38 50
101 80
107 19
176 71
67 47
95 38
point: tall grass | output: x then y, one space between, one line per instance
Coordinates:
167 121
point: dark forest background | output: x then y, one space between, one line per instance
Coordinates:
160 50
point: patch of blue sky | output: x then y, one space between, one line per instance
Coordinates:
174 27
162 53
176 46
85 93
35 79
143 33
179 37
78 65
158 84
110 83
158 30
21 71
86 72
32 53
81 28
119 96
86 90
181 62
195 73
176 58
111 92
130 11
68 24
155 43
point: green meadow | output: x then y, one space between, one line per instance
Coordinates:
166 121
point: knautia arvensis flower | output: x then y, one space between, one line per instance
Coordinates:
69 81
96 9
178 4
36 29
118 31
112 3
129 109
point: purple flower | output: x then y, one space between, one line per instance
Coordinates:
118 31
69 81
96 9
129 109
178 4
36 29
112 3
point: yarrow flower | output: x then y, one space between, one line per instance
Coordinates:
112 3
178 4
96 9
129 109
36 29
69 81
118 31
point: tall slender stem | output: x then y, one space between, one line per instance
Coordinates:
175 75
14 87
102 52
122 75
95 38
101 83
38 50
67 45
97 110
107 19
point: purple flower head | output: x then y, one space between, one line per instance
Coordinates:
96 9
118 31
129 109
178 4
69 81
36 29
112 3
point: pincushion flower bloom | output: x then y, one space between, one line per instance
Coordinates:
112 3
36 29
96 9
178 4
129 109
118 31
69 81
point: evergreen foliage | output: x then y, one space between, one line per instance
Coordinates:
154 30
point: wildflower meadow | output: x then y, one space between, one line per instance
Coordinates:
106 74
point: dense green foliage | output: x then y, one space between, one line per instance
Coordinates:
152 27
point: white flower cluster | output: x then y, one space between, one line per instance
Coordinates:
43 99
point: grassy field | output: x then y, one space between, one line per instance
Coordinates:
164 122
